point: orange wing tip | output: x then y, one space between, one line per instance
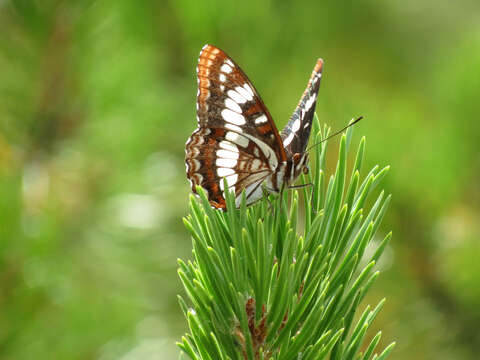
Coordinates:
318 66
210 49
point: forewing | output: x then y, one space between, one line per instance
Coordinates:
227 99
296 133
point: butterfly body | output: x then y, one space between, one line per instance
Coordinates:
236 138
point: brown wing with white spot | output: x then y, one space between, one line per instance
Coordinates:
213 154
296 133
236 137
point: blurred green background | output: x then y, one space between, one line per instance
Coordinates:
97 99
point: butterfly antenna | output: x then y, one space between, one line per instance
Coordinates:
336 133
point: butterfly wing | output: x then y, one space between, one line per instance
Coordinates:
296 133
236 137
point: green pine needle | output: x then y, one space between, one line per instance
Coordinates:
268 283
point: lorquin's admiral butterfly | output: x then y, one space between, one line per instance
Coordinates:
236 138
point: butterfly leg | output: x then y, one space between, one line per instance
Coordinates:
301 186
280 196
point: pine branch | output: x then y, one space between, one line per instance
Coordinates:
261 285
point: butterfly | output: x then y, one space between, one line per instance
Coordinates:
236 137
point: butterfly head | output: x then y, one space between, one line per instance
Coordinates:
298 166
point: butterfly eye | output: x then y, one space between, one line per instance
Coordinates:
305 170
